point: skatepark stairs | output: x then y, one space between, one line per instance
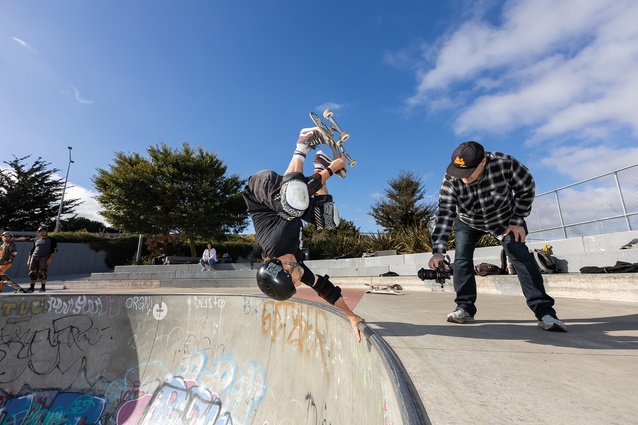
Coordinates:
571 255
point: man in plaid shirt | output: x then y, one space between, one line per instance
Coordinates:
491 193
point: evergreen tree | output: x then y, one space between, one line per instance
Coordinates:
402 205
30 195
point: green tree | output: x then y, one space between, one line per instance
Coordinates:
402 205
343 241
75 224
182 191
30 195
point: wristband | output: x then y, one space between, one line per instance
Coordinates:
330 171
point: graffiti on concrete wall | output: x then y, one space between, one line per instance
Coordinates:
69 342
61 353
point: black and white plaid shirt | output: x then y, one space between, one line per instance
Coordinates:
502 197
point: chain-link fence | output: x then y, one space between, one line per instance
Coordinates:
603 204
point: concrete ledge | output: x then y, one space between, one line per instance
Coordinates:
111 284
609 287
572 254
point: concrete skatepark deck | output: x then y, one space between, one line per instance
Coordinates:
193 358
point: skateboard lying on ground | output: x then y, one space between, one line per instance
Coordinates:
385 289
335 144
6 281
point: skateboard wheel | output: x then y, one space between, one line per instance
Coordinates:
339 143
327 114
344 136
353 163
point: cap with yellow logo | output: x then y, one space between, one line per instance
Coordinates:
465 159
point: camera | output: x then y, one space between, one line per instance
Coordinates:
439 275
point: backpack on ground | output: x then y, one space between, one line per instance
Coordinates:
544 260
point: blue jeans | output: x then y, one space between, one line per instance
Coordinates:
211 262
527 271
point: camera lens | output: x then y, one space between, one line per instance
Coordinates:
426 274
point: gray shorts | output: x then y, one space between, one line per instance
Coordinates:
38 263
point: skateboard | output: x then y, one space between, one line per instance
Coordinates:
385 289
336 145
5 280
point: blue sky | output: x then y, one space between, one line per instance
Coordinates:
554 83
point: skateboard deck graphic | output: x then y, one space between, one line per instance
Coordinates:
336 145
395 289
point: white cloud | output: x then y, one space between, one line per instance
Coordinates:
89 207
79 98
24 44
565 72
585 162
330 105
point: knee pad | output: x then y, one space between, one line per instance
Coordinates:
325 213
33 274
293 196
42 274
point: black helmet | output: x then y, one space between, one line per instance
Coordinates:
43 227
7 233
275 281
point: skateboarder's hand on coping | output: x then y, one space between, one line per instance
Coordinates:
354 321
353 318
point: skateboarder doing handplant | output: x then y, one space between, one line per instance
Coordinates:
277 205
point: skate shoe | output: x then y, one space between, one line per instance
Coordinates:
321 161
310 138
459 316
551 323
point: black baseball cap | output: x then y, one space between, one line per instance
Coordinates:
465 159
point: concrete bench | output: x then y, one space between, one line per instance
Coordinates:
173 259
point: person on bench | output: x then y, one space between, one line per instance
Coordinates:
209 258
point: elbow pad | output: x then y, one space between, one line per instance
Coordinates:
308 277
326 290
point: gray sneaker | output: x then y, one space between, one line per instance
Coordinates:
310 137
459 316
551 323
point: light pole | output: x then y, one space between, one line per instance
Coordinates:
66 179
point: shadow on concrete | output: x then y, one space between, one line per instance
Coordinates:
595 333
